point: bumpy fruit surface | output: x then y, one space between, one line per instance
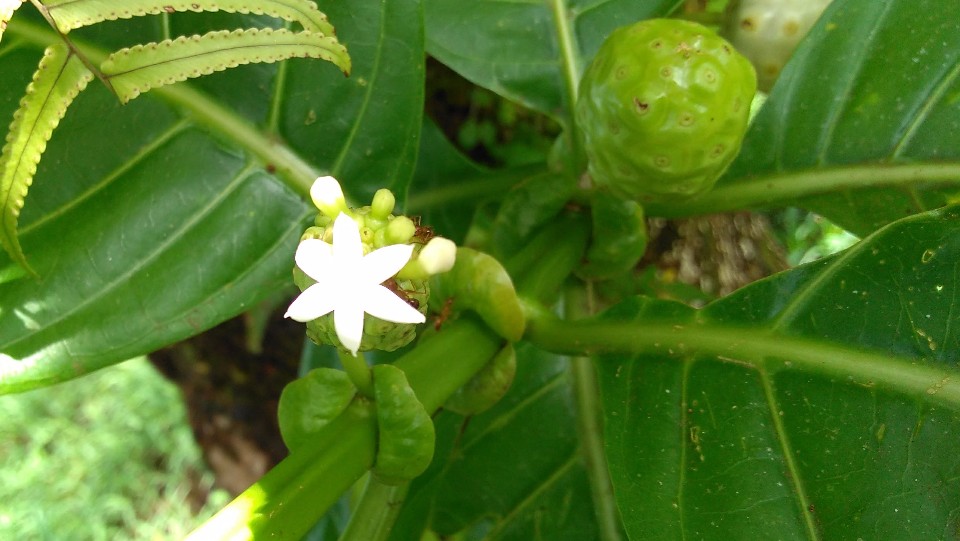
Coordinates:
663 108
767 31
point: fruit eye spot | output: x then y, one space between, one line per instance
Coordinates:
656 44
662 162
790 28
666 72
686 119
642 106
748 24
621 73
718 150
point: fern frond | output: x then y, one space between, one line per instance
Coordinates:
7 7
138 69
59 78
71 14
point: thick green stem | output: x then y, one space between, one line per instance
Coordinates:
356 367
579 303
292 496
377 511
287 501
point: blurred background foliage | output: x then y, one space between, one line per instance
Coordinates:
107 456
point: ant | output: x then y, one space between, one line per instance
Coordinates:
423 233
392 285
444 313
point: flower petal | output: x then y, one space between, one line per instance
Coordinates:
316 301
380 302
383 263
347 248
348 321
314 257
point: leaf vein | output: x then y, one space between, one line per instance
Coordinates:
123 278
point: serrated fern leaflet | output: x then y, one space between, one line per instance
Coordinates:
59 78
136 70
72 14
7 7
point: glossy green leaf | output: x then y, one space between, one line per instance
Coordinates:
448 187
59 78
821 403
364 130
138 69
863 125
7 8
72 14
156 220
530 52
529 205
513 472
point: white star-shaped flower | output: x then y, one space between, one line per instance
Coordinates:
349 283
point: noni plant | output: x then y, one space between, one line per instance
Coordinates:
542 374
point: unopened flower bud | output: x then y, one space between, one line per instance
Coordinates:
438 255
328 196
400 230
383 203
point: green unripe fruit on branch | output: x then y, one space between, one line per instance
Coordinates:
663 109
767 31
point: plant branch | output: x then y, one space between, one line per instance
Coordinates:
570 67
579 303
299 490
782 188
377 511
755 347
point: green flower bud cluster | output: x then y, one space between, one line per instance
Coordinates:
378 227
663 108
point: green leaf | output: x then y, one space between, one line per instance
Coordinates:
513 472
72 14
6 12
821 403
133 71
530 52
448 187
58 79
154 221
364 130
862 124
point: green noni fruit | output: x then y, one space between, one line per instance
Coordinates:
663 109
767 31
